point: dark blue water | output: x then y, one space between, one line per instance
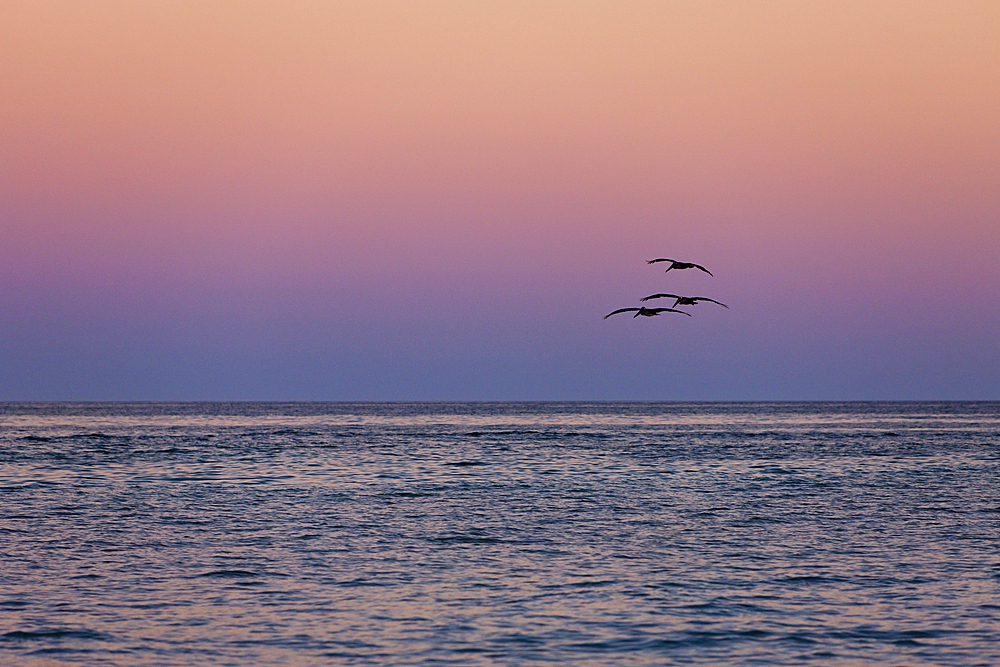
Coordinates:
428 534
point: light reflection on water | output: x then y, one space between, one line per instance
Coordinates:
595 534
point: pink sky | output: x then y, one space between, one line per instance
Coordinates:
441 200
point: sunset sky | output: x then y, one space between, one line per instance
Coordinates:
441 200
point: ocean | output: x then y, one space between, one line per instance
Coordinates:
500 533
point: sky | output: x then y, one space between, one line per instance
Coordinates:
215 200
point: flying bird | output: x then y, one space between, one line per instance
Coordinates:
646 312
682 300
674 264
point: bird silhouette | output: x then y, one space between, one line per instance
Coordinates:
646 312
682 300
674 264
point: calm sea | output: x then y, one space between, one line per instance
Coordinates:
500 533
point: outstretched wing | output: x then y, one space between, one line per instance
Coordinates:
669 310
660 259
659 296
705 298
699 266
620 310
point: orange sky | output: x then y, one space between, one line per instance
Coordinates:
396 97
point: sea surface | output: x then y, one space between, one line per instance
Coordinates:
500 533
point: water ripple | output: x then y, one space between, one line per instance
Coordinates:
577 533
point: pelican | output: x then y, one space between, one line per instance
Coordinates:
682 300
674 264
646 312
